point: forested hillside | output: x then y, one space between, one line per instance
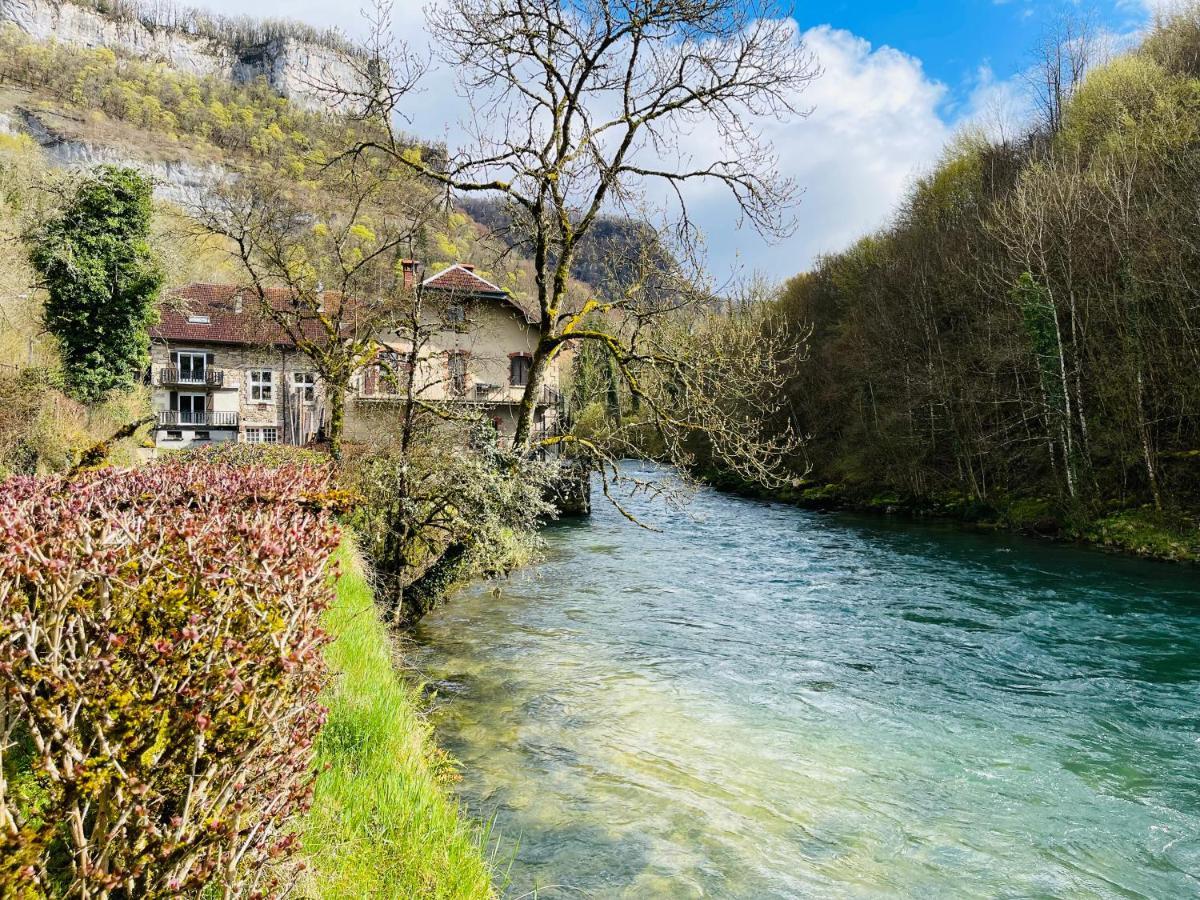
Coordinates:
1025 336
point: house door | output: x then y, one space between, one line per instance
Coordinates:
191 368
191 409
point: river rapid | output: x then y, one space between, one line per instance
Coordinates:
757 701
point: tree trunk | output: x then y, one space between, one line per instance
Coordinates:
529 400
1147 444
337 419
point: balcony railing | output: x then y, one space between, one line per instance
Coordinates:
499 393
204 419
479 392
213 378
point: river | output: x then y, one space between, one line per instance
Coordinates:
756 701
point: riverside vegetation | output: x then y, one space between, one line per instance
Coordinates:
1021 346
1020 343
209 611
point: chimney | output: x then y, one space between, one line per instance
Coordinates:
409 267
470 267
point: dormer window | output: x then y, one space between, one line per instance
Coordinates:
199 320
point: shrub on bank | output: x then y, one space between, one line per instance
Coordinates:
442 514
160 664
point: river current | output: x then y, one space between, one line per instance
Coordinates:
756 701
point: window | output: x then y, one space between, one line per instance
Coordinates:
261 385
457 360
203 436
518 370
306 386
174 436
456 314
199 320
267 435
394 369
192 409
191 367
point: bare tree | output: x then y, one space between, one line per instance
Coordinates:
1064 54
596 107
323 263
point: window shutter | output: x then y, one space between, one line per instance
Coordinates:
371 381
210 358
174 401
174 359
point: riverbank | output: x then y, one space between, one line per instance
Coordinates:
383 823
1140 531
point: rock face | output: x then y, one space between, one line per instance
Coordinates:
186 184
295 68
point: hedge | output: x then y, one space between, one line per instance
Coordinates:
160 666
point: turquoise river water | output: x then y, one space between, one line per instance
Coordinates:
757 701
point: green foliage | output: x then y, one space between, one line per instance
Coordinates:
43 430
382 822
1114 98
1025 330
444 513
250 456
1174 42
103 280
1040 326
1146 532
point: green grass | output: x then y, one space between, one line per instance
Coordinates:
383 823
1145 532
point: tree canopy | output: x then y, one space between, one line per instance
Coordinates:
102 278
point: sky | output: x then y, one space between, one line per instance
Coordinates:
900 77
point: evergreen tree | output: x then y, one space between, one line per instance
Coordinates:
95 260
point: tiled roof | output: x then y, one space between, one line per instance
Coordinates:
232 322
461 279
229 322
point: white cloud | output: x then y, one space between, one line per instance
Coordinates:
875 123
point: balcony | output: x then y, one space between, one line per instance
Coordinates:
207 419
509 393
207 378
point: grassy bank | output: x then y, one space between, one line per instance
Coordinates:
383 823
1135 531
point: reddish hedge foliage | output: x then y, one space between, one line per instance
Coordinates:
160 658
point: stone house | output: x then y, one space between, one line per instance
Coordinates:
477 356
222 371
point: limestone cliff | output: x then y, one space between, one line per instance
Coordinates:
294 60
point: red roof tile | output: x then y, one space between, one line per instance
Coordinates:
461 279
229 321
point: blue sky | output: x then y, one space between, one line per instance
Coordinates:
954 39
900 79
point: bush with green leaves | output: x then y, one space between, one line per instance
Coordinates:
445 512
94 259
160 666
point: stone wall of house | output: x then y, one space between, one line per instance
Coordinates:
491 335
234 395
